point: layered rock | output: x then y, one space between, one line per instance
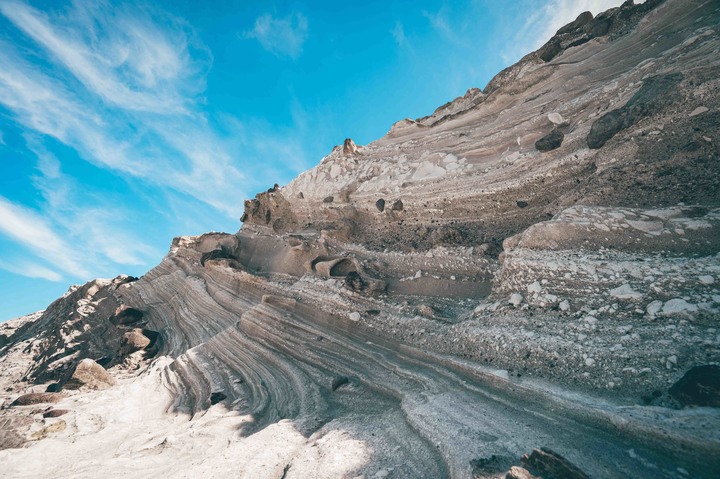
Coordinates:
447 301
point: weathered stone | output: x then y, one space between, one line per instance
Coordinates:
551 141
328 199
89 374
517 472
551 465
55 413
134 340
398 205
36 398
655 94
349 147
380 205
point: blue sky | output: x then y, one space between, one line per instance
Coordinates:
124 124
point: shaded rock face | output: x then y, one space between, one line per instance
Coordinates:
548 464
700 386
89 374
655 94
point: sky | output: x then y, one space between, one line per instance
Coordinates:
125 124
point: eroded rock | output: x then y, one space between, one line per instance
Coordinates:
89 374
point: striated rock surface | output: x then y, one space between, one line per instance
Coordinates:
447 301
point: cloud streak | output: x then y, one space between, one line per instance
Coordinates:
31 230
281 36
123 95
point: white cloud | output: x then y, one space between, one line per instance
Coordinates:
136 114
30 270
281 36
124 64
32 231
398 33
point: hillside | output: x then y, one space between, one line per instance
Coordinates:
526 281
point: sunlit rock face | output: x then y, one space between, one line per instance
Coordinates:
525 282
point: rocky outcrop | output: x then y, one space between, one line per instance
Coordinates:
655 93
434 304
89 374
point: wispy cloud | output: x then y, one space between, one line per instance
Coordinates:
133 65
125 96
398 33
28 228
281 36
30 269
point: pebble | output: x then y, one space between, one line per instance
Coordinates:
534 287
589 362
564 305
706 279
354 316
418 274
515 299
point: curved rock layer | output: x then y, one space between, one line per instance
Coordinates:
445 302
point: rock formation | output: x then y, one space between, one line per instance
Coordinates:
451 302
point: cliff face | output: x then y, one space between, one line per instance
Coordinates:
533 265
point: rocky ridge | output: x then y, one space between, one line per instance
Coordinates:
522 284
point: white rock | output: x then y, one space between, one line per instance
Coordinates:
678 306
534 287
418 274
354 316
515 299
706 279
556 119
698 111
564 305
654 308
589 362
625 292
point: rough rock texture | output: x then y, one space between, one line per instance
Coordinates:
89 374
437 303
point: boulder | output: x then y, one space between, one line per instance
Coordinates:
550 465
551 141
36 398
89 374
134 340
380 205
55 413
655 94
349 147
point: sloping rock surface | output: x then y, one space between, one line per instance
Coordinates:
447 301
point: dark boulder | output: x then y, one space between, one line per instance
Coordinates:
551 141
700 386
522 204
354 282
37 398
397 205
217 397
579 22
550 465
380 205
328 199
655 94
55 413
